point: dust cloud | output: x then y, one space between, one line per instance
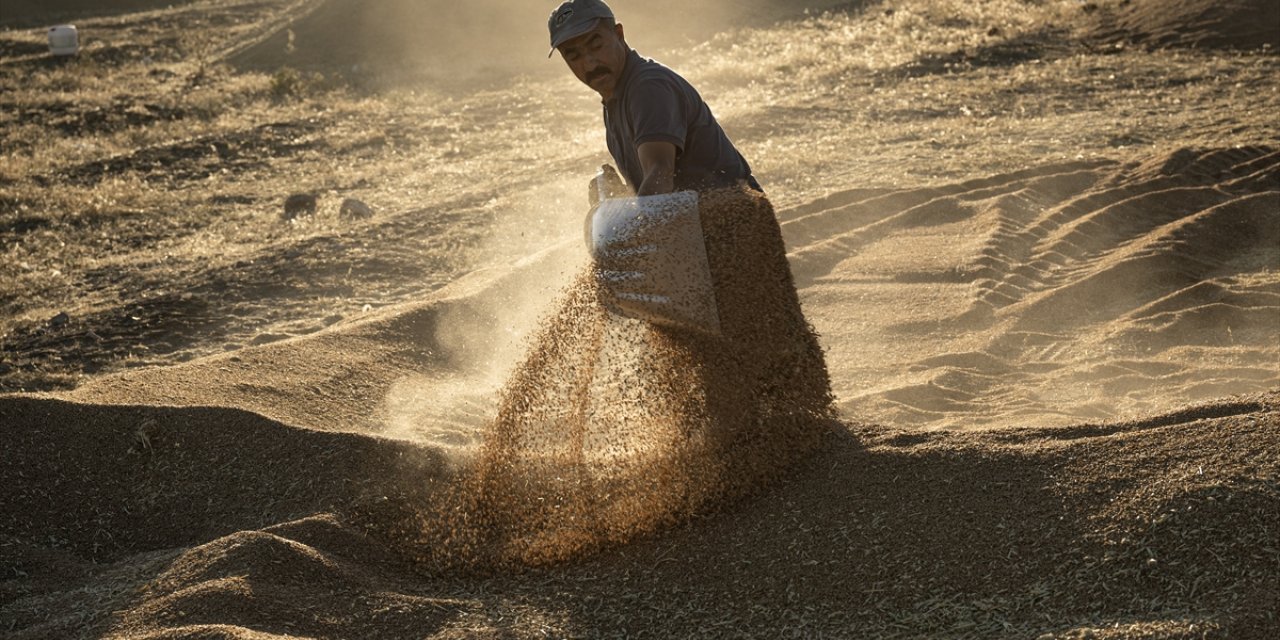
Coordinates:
481 43
531 252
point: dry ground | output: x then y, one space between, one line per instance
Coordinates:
1040 244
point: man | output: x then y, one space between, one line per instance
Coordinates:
660 132
765 394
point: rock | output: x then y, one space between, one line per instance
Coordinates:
299 204
60 320
352 208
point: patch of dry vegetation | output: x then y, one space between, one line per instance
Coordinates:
129 180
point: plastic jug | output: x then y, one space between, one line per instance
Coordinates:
64 40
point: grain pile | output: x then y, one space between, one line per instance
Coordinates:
612 427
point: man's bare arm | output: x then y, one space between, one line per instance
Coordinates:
658 161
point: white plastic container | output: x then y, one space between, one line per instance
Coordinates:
64 40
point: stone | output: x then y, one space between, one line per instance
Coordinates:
299 204
352 208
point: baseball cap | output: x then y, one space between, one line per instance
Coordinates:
575 18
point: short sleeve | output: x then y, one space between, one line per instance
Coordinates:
658 113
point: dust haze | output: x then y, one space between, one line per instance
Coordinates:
486 43
483 340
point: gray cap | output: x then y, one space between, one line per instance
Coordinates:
575 18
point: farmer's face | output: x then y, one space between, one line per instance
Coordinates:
597 57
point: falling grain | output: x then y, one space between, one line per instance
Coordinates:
611 428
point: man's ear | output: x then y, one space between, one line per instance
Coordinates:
617 28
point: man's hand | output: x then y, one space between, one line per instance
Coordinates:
658 161
608 180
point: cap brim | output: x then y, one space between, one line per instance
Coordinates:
575 32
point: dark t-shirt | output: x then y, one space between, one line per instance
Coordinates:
654 104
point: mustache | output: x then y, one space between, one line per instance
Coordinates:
598 72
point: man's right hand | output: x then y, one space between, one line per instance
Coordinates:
606 178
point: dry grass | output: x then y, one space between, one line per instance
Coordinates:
953 90
145 161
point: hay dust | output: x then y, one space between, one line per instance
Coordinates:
611 428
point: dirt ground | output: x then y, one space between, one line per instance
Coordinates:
1038 241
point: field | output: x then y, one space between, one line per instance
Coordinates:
1039 240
